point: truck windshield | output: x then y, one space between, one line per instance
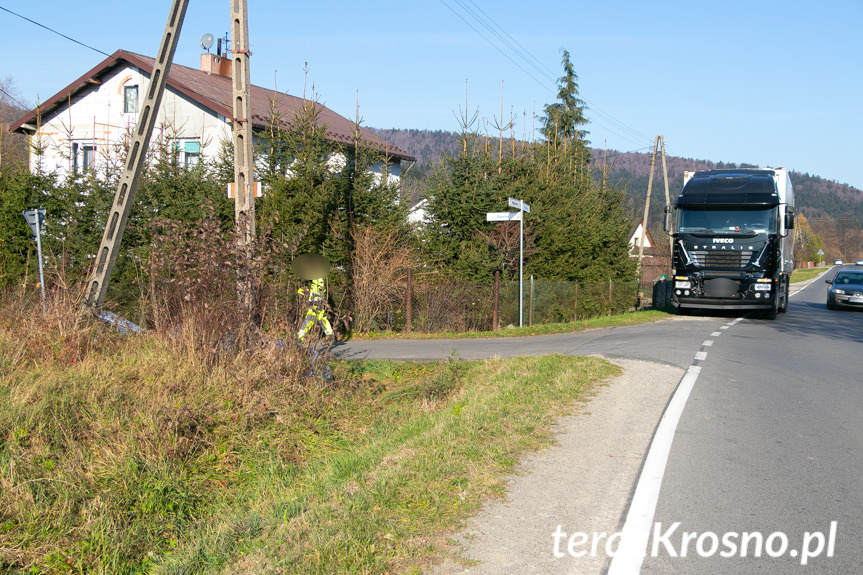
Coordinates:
726 221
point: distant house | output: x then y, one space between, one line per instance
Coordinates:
87 123
635 238
418 215
657 258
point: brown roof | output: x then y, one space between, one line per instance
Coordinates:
215 93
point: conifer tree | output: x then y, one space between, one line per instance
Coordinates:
564 119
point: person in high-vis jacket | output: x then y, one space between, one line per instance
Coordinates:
317 311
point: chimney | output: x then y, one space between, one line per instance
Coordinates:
213 64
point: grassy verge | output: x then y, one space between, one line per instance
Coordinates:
629 318
806 275
123 455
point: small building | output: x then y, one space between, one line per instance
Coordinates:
657 258
85 125
635 238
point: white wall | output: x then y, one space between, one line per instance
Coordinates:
97 118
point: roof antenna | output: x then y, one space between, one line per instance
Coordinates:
226 42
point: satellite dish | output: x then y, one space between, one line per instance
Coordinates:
207 41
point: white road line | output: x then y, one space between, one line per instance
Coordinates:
716 334
639 520
701 356
707 343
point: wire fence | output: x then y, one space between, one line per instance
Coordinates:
440 306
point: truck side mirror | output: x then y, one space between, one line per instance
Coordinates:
789 219
666 225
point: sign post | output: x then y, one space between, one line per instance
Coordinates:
522 208
34 218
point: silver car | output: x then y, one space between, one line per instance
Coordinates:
846 289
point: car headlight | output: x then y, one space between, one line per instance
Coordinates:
839 291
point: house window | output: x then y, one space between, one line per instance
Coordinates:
130 99
188 152
83 156
191 153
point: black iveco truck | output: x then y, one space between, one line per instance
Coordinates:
732 240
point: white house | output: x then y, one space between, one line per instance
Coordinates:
635 237
84 125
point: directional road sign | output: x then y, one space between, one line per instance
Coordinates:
519 205
503 216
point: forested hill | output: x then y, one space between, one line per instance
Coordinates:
817 197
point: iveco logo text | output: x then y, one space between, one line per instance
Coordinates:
723 240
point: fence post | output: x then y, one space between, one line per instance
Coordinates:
408 319
610 296
530 312
495 318
575 307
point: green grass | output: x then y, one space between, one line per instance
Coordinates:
806 275
127 455
628 318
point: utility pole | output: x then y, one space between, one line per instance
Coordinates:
667 196
659 141
647 205
244 161
124 197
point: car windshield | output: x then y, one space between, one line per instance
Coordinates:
845 279
726 221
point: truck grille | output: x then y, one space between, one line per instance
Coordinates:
722 259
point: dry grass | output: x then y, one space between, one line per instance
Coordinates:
139 454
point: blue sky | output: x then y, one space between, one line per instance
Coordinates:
773 83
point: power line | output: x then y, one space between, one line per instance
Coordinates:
53 31
493 27
14 99
537 63
608 122
493 45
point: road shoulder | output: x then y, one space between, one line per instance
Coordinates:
583 483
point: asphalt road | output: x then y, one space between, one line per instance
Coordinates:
672 342
768 444
771 443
